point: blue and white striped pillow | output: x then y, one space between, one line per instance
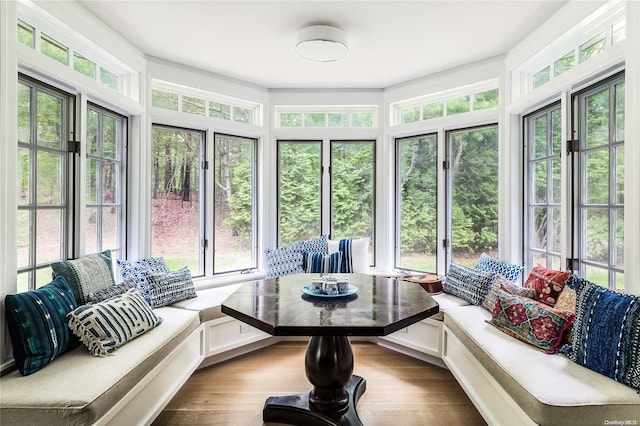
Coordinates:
105 326
323 263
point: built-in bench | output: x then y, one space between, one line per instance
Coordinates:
508 381
130 387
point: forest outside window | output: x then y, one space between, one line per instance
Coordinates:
416 203
235 247
310 173
45 122
543 175
472 158
177 228
105 182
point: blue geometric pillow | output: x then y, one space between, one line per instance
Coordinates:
323 263
37 322
471 285
606 332
86 275
489 264
136 272
317 245
283 261
170 287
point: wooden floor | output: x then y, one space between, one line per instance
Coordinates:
400 390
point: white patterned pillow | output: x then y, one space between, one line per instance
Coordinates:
283 261
471 285
104 326
507 270
165 289
134 271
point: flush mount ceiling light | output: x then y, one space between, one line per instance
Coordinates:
322 43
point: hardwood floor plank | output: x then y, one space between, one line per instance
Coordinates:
400 390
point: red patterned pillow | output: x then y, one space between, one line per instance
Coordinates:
547 283
531 321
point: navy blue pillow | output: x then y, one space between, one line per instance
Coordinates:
323 263
607 329
37 322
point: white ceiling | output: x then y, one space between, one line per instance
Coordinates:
390 42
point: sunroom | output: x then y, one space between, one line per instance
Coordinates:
212 144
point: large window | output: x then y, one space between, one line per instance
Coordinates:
44 171
543 191
416 203
177 227
598 164
472 158
235 206
299 190
326 187
105 180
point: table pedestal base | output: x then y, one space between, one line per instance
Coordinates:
295 409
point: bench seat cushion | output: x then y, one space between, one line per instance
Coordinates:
78 388
447 301
551 389
208 302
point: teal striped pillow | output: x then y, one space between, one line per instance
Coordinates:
105 326
37 325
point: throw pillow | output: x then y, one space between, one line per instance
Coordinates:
471 285
86 275
355 254
105 326
316 245
566 299
547 283
172 287
606 332
111 291
323 263
283 261
531 321
37 325
134 271
489 264
501 283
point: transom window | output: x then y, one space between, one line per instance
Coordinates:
471 98
79 61
179 98
326 116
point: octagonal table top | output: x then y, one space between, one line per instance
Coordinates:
279 307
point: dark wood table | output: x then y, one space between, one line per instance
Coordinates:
279 307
